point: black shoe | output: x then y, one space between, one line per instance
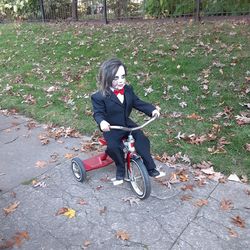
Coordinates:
153 172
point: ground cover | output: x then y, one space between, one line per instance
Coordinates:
197 73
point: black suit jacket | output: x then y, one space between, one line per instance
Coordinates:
109 108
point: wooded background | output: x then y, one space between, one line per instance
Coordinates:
47 10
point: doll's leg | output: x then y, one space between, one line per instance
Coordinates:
142 146
115 151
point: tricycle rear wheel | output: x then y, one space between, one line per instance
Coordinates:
78 169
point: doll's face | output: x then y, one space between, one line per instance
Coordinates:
119 80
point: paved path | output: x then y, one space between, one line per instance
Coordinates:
107 217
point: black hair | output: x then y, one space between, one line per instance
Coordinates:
107 73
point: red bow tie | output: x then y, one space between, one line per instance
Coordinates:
119 91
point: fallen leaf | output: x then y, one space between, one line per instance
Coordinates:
244 179
41 164
232 233
103 210
247 147
131 200
188 187
233 177
195 117
54 157
226 205
82 202
16 240
70 213
208 171
247 191
186 197
201 202
120 234
242 120
99 187
39 184
86 243
238 221
11 208
44 139
203 165
62 211
69 155
105 179
183 177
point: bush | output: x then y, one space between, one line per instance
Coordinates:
163 8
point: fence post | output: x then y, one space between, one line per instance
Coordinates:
198 14
74 10
105 11
42 10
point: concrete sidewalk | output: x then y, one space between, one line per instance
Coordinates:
185 216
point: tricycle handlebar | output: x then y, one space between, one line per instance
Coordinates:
135 128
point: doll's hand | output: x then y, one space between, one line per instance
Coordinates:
104 125
156 112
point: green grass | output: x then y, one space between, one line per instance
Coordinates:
211 60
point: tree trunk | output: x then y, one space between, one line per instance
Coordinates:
74 10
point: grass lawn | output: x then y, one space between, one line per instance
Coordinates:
199 74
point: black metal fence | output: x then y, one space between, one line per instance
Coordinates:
80 10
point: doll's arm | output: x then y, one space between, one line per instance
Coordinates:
142 106
99 113
98 108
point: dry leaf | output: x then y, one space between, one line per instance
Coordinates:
16 240
70 213
244 179
183 177
233 177
82 202
195 117
201 202
232 233
188 187
103 210
242 120
122 235
86 243
208 171
186 197
203 165
238 221
11 208
44 139
62 211
69 155
247 147
131 200
247 191
226 205
41 164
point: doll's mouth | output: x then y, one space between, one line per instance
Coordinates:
120 86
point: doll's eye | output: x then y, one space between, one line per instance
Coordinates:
117 77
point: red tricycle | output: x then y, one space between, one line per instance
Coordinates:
135 170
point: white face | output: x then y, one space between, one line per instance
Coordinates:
119 80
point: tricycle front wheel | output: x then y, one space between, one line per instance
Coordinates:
139 179
78 169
